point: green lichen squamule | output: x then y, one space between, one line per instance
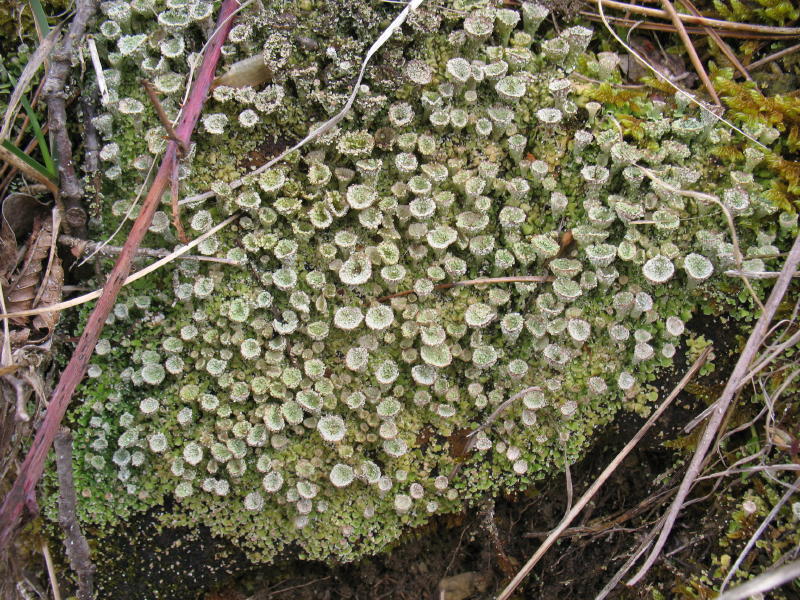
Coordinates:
278 402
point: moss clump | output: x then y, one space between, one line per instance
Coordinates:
292 377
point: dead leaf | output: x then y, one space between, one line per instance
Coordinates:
50 294
35 283
8 250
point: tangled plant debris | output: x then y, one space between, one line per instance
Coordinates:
302 397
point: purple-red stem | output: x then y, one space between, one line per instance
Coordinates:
22 493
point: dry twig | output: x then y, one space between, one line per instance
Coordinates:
721 408
687 43
71 190
598 483
74 540
481 281
704 21
82 246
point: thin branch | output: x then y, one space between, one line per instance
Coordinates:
755 274
485 280
162 116
602 478
717 23
668 27
773 57
687 43
710 432
23 491
721 44
71 190
174 188
74 540
105 250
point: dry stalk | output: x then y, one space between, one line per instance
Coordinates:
602 478
764 583
82 246
687 43
721 407
773 57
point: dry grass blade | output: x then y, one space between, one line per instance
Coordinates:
34 62
687 43
602 478
764 583
709 434
52 281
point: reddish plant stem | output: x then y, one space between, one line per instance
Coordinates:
23 491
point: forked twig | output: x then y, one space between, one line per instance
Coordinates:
687 43
721 408
481 281
71 189
602 478
162 116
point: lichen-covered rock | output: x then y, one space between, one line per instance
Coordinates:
281 400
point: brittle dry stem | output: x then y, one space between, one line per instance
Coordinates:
687 43
23 491
602 478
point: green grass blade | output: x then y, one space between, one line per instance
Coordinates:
41 18
34 164
40 138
